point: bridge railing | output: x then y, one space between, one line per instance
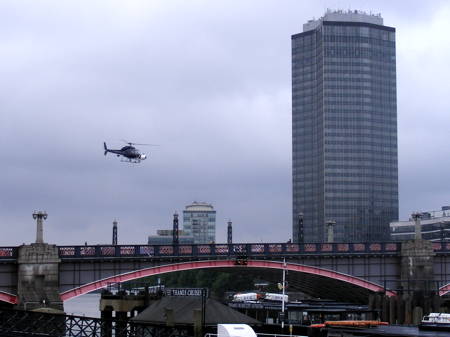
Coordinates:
236 249
8 253
29 323
441 247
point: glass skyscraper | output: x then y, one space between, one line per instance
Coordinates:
344 128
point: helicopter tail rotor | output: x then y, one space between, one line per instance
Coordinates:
106 149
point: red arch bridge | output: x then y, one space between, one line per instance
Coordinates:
341 271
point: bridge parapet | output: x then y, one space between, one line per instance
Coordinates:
8 253
247 249
441 247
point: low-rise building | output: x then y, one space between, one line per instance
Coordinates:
435 226
165 237
199 227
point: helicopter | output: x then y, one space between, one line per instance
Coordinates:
129 152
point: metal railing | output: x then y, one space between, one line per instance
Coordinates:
8 253
27 323
224 250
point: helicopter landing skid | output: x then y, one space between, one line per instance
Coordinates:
134 161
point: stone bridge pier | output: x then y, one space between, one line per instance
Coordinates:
419 291
38 277
38 272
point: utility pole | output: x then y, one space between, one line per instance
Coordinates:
114 237
284 291
39 217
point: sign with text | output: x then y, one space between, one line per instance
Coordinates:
186 292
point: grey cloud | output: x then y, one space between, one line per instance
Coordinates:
209 81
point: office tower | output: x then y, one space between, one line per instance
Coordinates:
344 128
199 221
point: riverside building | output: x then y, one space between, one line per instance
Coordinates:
344 128
165 237
434 225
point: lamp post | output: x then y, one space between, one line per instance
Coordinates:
175 231
114 236
39 216
229 233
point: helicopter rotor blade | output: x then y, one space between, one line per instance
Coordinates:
126 142
145 144
131 143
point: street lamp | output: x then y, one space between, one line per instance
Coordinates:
39 216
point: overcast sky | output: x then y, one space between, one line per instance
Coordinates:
210 82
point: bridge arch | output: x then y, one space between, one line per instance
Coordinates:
8 298
310 270
444 289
